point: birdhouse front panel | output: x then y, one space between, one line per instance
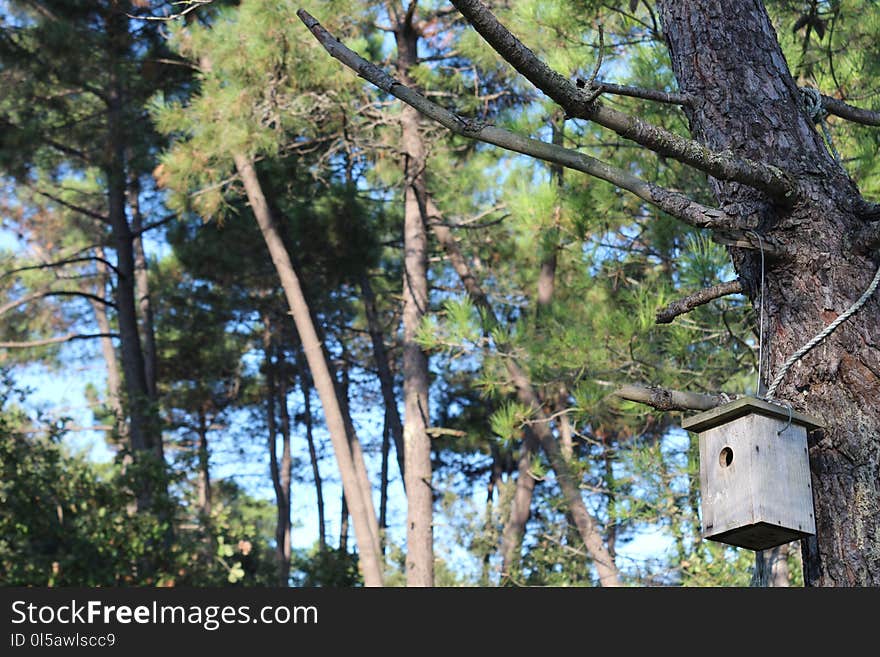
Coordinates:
754 474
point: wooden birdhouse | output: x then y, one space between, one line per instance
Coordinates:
754 473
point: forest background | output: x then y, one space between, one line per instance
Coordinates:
263 324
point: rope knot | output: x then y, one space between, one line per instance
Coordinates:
812 100
813 104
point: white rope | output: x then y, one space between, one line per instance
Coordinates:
853 309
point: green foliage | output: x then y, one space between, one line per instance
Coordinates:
328 567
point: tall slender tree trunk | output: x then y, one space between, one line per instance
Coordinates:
726 56
108 351
313 457
370 558
357 455
417 443
142 289
144 432
285 467
383 478
344 516
282 513
386 378
520 508
496 474
204 472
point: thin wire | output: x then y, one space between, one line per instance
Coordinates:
852 310
761 320
783 429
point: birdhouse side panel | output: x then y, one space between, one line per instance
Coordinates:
782 491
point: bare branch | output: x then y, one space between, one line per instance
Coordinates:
53 293
153 224
670 400
668 97
669 312
850 113
71 206
769 179
57 340
60 263
439 432
193 5
675 203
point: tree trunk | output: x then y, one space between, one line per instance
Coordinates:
282 512
383 479
343 526
142 289
313 458
360 465
144 433
496 474
520 509
779 575
726 56
386 378
285 468
417 444
204 475
108 351
370 560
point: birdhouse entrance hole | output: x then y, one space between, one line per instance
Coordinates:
726 457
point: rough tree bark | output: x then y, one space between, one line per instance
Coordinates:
370 558
416 442
726 56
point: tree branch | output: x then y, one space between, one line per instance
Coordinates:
675 203
60 263
57 340
670 400
153 224
71 206
53 293
771 180
850 113
668 97
669 312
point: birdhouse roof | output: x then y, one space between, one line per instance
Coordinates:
746 406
